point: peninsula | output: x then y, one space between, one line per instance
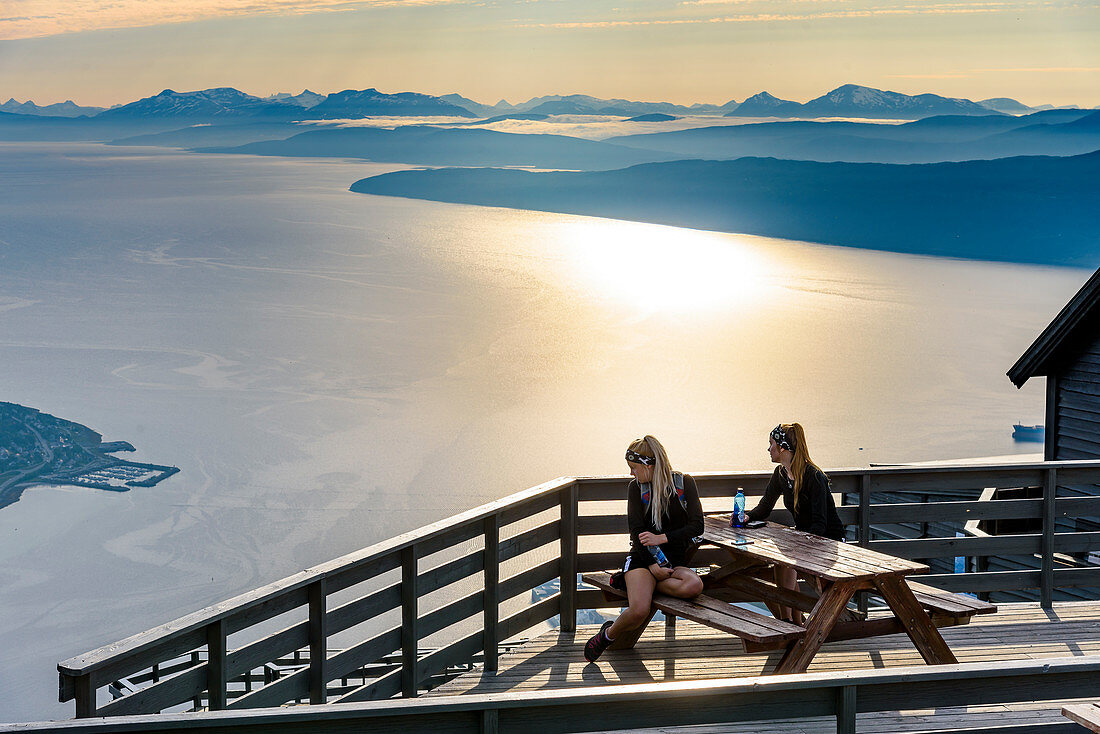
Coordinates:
38 448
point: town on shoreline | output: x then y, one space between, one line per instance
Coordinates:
37 448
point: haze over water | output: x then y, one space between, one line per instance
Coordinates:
329 369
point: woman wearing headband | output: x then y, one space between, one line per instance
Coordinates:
805 491
663 511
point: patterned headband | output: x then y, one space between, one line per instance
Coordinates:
636 458
782 439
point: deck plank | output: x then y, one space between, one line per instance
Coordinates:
690 651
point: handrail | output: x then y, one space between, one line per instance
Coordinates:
677 703
208 628
90 661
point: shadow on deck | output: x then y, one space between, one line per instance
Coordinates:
689 651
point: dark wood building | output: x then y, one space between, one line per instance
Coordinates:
1067 353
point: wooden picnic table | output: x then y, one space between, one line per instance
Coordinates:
841 570
1085 714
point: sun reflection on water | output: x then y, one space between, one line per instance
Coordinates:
655 268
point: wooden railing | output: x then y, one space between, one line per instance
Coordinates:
840 695
489 560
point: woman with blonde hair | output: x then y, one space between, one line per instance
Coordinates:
665 518
805 491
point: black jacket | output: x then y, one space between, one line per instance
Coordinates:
678 523
816 511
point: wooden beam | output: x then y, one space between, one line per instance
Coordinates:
85 697
567 617
1046 571
216 678
318 643
491 604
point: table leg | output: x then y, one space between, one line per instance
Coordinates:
821 620
918 625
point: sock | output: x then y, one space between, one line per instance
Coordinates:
608 637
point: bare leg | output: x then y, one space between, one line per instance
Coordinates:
788 579
639 593
684 583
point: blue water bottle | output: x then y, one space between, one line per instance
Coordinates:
659 556
738 518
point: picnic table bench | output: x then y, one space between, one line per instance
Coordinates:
758 631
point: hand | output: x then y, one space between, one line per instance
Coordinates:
661 573
648 538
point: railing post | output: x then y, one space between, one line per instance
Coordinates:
567 585
1046 573
490 721
197 700
492 599
864 536
846 710
318 642
864 510
409 636
215 665
85 696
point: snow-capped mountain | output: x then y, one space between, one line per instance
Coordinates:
304 99
763 104
852 100
353 103
217 103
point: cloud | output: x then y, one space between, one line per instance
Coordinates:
39 18
1043 70
964 7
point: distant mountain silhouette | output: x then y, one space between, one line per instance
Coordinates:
353 104
452 147
1028 209
68 108
930 140
852 100
480 110
500 118
1006 105
206 136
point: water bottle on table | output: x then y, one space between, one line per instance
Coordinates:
738 518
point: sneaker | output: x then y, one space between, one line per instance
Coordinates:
595 646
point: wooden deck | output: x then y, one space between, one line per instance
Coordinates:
690 651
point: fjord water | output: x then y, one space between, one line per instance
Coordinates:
329 369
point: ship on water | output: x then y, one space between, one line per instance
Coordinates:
1028 433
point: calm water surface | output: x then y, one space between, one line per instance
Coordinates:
329 369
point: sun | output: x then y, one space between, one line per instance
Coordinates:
656 268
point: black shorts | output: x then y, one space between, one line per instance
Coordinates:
644 559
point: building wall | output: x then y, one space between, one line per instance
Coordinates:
1076 429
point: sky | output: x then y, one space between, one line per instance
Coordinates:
103 52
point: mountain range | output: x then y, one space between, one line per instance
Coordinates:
224 104
1023 209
